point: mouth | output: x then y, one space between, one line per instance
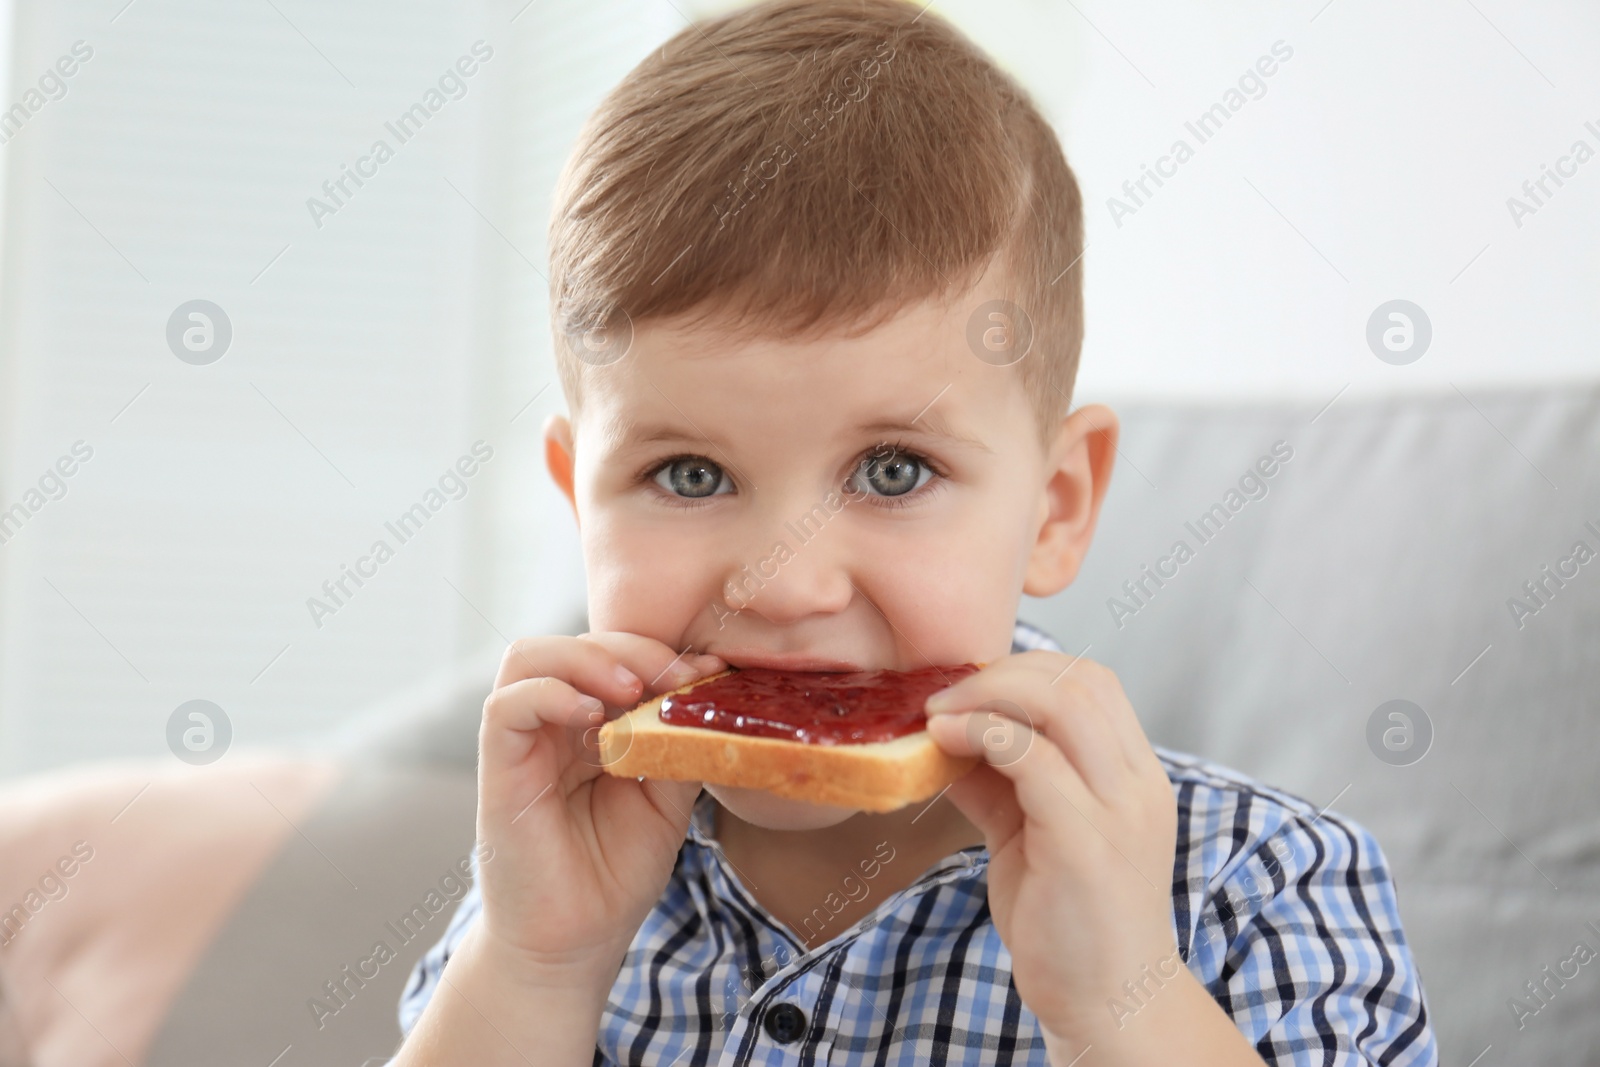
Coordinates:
746 658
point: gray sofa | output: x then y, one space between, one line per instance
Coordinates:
1375 564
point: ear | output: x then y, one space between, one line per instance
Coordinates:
1079 470
558 456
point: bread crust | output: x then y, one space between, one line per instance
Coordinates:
874 776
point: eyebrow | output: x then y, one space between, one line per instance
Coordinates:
927 424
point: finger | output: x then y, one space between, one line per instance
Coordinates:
1112 701
988 801
1090 688
1077 828
640 808
673 801
1050 797
1018 753
526 752
1067 719
514 714
1058 669
974 689
659 666
618 668
586 665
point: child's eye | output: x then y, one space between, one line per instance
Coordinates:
891 472
692 476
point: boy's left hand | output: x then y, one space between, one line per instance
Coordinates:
1081 825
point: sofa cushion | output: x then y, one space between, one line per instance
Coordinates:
1378 563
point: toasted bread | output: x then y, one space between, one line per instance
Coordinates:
872 776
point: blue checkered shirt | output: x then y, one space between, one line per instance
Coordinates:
1287 915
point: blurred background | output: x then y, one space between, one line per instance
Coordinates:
253 365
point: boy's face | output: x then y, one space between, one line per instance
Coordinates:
819 504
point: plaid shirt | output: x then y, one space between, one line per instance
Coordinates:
1287 916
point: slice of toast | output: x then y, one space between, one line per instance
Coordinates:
872 776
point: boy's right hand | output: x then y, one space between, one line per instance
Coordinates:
579 857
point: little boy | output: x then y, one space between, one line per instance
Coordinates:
817 299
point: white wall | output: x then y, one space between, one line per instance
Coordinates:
1376 165
368 354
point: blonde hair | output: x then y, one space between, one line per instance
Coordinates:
807 164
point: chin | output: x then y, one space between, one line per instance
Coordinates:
772 812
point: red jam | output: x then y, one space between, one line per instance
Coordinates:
819 708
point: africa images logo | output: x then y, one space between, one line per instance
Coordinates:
451 85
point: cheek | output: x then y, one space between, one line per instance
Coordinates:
644 578
971 543
951 588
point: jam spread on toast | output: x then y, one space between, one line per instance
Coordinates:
818 708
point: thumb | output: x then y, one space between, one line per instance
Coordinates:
675 800
989 801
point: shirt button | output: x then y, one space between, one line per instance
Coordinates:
785 1022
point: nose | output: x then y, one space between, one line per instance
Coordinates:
799 569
